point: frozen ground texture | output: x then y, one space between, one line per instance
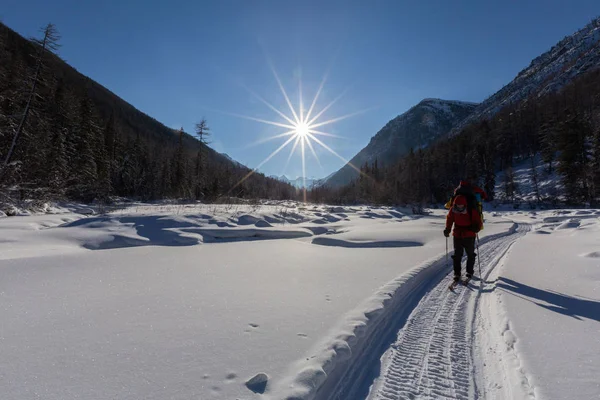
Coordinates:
281 301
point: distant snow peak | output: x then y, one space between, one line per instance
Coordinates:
300 182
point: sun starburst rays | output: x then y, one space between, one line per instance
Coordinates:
287 99
301 127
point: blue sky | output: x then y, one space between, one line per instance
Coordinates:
179 61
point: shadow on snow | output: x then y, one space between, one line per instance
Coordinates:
165 231
564 304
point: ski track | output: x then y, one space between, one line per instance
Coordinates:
432 357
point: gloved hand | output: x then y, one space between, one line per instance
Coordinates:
446 232
475 228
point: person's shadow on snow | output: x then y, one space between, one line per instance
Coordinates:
561 303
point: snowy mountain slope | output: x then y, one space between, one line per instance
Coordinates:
575 54
550 186
416 128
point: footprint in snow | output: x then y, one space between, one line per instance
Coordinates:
302 335
254 325
231 376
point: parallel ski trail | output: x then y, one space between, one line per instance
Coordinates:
431 358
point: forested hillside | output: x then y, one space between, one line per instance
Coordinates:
549 112
72 138
562 127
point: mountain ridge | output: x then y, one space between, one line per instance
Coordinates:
548 72
82 141
418 127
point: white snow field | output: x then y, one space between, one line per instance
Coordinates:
315 302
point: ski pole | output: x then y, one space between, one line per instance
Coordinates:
478 258
447 251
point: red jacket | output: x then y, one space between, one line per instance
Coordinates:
464 226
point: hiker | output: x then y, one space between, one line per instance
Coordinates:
474 194
467 222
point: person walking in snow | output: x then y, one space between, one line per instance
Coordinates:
467 223
474 194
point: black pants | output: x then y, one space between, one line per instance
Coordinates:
462 245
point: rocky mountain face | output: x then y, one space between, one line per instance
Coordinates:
417 128
551 71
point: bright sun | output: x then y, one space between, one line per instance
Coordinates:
302 130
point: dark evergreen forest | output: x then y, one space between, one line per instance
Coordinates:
64 136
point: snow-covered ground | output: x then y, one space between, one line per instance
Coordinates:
192 301
550 290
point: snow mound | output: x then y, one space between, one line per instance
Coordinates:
225 235
110 232
273 220
371 214
321 230
593 254
396 214
325 219
556 219
571 224
247 220
541 232
262 224
329 241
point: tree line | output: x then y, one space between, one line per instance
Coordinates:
562 129
63 136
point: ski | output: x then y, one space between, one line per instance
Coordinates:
454 284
